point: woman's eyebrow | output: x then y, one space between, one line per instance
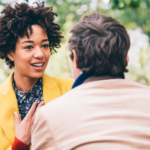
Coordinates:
27 42
45 40
33 41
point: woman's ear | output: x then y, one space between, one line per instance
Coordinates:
10 55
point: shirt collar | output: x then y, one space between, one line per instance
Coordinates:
80 80
36 87
35 90
84 77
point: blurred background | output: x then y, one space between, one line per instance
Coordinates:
134 14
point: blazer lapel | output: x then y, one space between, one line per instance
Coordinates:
50 89
8 105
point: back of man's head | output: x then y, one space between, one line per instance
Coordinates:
101 44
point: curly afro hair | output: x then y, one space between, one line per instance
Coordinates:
15 22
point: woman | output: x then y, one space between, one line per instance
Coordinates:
28 36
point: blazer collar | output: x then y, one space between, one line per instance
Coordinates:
50 88
8 102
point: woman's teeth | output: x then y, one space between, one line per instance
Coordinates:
38 65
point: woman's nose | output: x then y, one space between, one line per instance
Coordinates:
38 53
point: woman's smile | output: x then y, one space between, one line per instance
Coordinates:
39 66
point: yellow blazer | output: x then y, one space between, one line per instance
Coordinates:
52 88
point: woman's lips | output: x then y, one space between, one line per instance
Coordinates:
38 66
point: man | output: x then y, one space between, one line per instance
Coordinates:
103 111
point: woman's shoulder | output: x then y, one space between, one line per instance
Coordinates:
6 86
65 84
63 80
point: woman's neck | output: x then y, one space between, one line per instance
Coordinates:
24 84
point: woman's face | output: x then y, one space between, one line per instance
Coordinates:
31 55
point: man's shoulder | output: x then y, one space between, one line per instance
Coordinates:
125 84
96 94
115 84
60 103
100 89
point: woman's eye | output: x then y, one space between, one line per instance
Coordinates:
45 45
28 47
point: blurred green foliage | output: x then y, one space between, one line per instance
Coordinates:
133 13
69 9
141 72
2 4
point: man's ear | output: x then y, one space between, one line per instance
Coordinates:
127 58
75 59
10 55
